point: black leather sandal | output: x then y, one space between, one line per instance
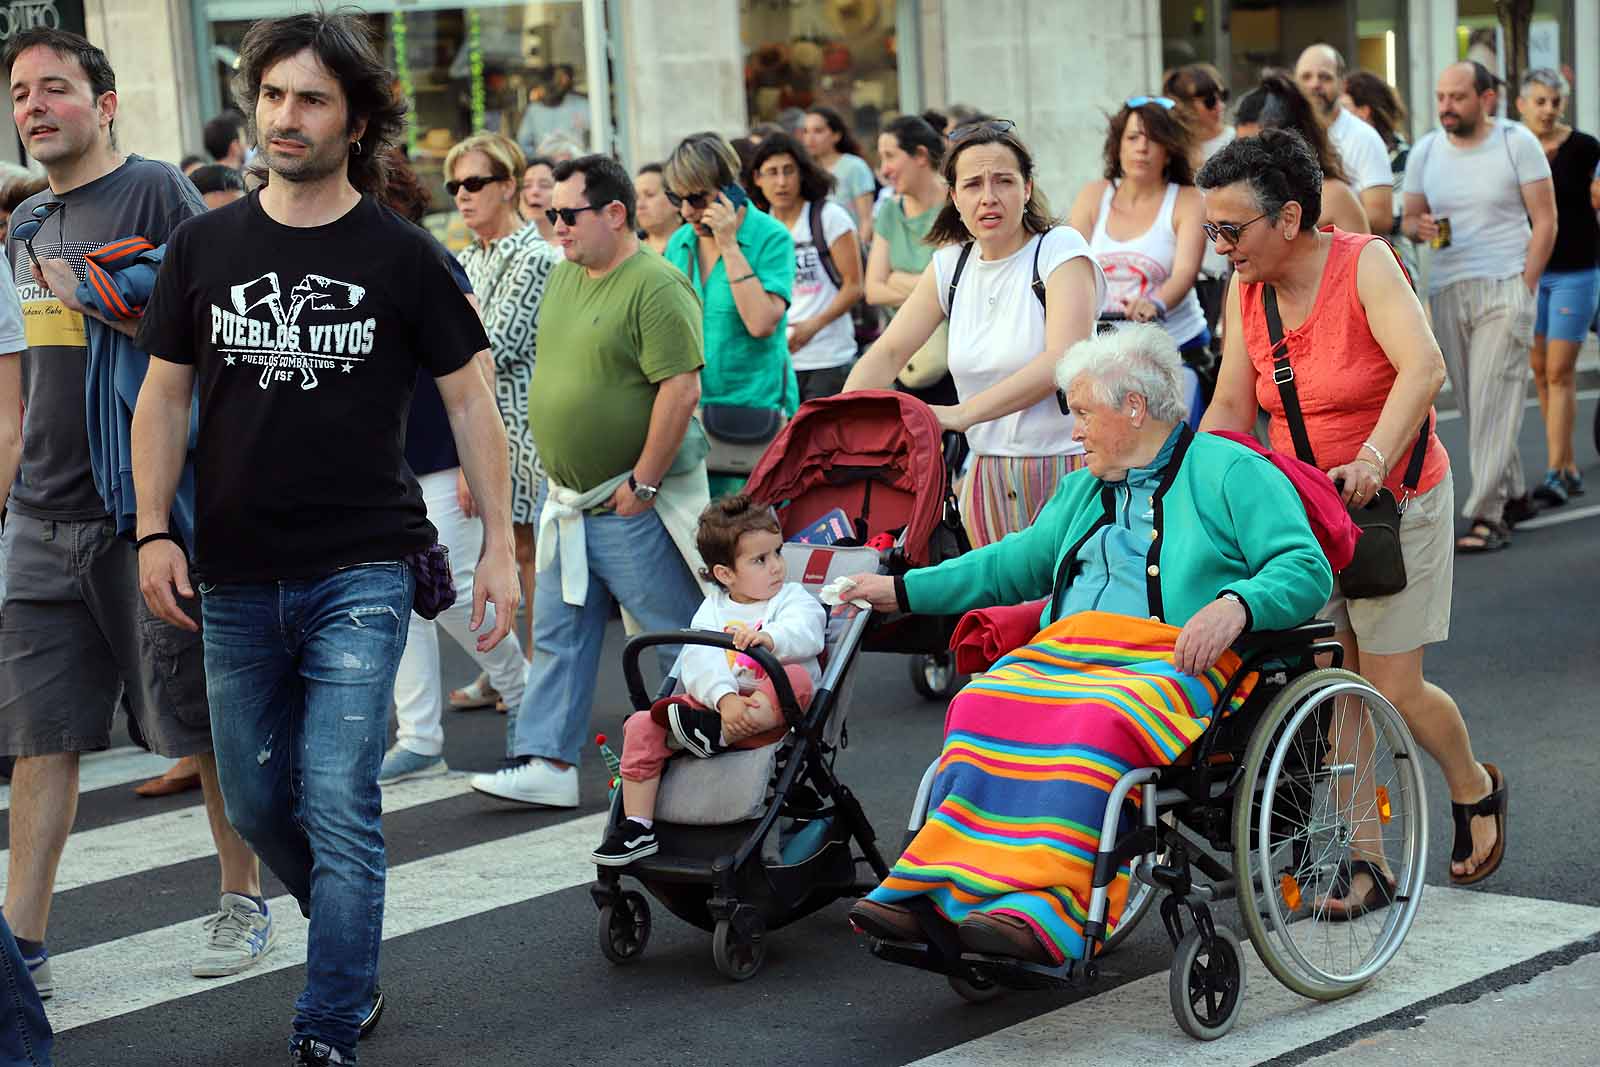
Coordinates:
1381 895
1492 806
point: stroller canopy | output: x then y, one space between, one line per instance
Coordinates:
877 454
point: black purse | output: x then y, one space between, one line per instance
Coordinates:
435 586
738 436
1378 567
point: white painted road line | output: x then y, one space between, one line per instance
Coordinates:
143 970
1557 516
1133 1023
1531 402
102 770
110 852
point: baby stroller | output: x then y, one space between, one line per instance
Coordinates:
757 838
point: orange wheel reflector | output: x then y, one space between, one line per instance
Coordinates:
1385 813
1290 890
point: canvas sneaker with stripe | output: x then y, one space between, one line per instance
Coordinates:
39 970
238 935
630 841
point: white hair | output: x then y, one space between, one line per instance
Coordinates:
1140 359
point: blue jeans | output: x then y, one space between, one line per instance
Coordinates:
631 560
300 676
25 1035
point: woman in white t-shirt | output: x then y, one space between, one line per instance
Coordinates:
834 147
1018 291
791 188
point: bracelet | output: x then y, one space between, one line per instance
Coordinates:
164 535
746 278
1383 462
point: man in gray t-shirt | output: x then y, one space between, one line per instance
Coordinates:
1480 190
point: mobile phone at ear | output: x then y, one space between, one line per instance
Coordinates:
736 196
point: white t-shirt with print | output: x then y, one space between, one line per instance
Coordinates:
835 344
796 620
997 328
1366 157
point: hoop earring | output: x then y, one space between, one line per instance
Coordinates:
355 148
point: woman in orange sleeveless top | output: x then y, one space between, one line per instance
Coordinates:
1366 369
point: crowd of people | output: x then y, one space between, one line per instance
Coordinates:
267 436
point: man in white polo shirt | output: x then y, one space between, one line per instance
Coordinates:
1320 74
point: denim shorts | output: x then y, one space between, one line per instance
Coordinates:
1567 300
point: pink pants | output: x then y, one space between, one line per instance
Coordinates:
644 741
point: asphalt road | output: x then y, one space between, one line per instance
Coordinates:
501 967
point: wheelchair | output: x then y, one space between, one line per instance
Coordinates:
1264 808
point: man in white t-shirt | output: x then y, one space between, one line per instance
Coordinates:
1490 182
1320 74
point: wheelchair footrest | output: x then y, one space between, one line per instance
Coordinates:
1001 970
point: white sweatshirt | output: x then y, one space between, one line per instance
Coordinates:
796 620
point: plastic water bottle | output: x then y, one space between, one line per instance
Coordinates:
808 842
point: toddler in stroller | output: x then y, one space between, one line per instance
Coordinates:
728 700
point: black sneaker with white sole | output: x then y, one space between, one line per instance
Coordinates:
697 731
630 841
313 1052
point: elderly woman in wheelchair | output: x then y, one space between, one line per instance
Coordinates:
1162 562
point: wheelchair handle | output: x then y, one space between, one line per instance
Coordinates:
787 702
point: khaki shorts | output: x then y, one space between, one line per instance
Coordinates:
75 633
1420 613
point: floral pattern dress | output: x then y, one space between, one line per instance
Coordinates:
509 277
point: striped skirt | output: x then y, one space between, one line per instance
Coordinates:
1032 749
1004 494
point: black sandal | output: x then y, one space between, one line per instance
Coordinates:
1381 895
1492 806
1492 536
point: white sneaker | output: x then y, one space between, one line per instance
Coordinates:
533 782
239 936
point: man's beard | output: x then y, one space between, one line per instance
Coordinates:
1465 127
315 165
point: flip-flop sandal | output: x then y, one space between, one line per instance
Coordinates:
480 694
1381 895
1492 806
1492 537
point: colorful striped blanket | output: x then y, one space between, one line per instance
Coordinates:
1032 749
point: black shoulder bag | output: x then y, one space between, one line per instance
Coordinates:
1379 567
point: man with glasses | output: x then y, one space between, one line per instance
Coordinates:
613 395
1320 73
74 630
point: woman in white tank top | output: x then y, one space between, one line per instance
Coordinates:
1144 221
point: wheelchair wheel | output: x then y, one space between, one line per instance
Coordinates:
738 957
934 676
624 928
1206 983
1330 773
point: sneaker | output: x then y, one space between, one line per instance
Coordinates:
533 781
630 841
314 1052
240 934
696 730
1553 490
370 1023
400 764
39 970
1574 482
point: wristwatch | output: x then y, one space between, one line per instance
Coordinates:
646 493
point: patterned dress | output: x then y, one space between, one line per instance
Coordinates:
509 277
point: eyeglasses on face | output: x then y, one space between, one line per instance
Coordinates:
475 184
787 171
697 201
1210 97
1228 230
969 129
1166 103
569 215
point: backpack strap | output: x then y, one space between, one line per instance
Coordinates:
820 241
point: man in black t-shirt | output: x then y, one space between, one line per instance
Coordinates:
305 311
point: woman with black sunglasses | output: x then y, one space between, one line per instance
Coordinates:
508 263
1202 106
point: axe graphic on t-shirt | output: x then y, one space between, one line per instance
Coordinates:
315 291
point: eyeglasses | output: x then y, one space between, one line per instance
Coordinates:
1228 229
1164 102
569 215
29 228
697 201
778 172
1210 97
995 126
475 184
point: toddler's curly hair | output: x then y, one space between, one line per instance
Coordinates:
723 522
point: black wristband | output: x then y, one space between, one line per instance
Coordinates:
900 599
164 535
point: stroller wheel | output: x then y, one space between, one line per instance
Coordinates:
738 957
934 676
976 990
1206 984
624 927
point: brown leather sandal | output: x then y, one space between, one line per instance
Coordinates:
1492 806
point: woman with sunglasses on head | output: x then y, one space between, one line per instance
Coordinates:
794 190
833 146
1278 104
508 263
1144 219
1018 290
740 261
1202 107
1364 370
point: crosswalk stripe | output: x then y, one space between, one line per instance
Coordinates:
102 770
1447 948
116 851
143 970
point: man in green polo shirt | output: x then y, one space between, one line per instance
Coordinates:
611 403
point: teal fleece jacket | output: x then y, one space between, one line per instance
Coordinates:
1226 520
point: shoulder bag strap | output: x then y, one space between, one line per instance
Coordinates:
819 241
955 276
1283 377
1038 283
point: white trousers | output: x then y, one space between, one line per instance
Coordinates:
418 691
